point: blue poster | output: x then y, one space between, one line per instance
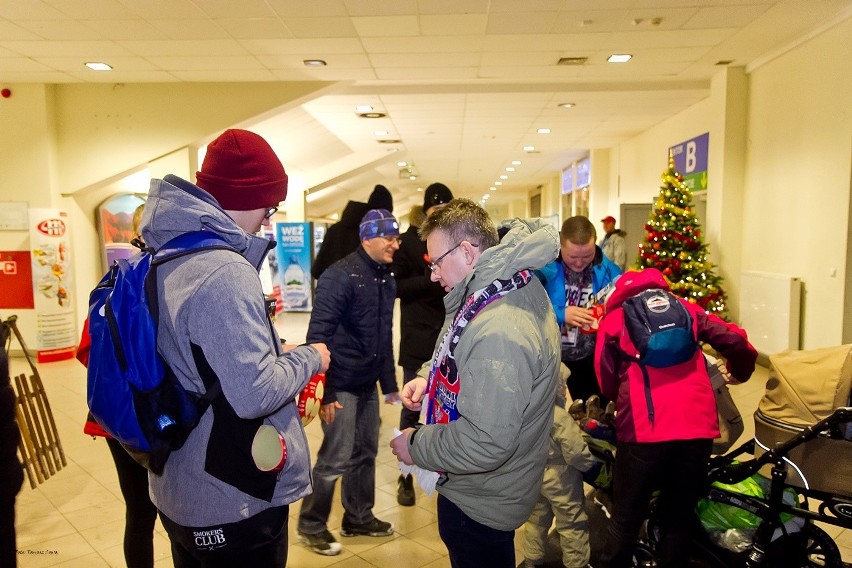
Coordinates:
291 278
690 159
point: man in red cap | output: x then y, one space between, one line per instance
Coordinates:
217 504
612 243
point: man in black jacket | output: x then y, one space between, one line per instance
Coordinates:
342 237
421 312
353 312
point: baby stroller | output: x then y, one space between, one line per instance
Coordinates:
802 455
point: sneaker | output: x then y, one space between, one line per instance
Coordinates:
405 490
321 543
372 528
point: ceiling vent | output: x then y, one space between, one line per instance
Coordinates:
572 60
389 141
724 62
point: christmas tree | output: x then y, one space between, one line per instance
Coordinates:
673 245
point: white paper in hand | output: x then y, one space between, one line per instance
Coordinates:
427 480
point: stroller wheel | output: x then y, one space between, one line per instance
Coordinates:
643 556
811 547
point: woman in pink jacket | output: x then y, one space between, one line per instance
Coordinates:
665 425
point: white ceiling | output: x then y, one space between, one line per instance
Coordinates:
465 84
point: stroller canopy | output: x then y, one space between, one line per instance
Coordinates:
806 386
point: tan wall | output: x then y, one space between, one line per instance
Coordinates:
71 146
797 176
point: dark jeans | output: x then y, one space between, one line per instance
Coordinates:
259 541
583 381
348 450
408 418
472 544
140 514
679 470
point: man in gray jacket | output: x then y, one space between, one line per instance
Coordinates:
491 382
218 504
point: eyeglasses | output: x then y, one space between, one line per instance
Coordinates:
270 211
436 264
392 240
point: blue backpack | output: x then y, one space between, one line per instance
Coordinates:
132 392
661 330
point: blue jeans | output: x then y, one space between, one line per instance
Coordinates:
348 450
470 543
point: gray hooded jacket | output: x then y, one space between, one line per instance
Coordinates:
508 360
211 302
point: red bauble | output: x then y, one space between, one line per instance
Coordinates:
656 246
667 271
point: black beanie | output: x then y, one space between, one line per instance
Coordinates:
381 198
436 194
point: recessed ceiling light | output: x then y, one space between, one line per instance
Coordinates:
619 58
504 177
372 114
389 141
510 169
381 132
516 162
419 189
529 148
314 63
567 105
486 196
498 183
402 164
492 188
412 177
543 131
98 66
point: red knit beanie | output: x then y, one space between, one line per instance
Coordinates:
242 172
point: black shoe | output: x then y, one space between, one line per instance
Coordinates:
321 543
372 528
405 490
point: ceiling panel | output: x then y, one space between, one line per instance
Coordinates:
464 83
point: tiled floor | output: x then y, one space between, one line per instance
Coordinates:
76 517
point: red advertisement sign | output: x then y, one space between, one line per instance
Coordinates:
16 280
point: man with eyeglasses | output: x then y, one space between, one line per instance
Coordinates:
488 391
353 313
219 506
421 312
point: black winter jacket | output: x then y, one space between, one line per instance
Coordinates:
421 302
341 238
353 315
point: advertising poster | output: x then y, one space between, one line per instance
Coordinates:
51 284
115 227
291 274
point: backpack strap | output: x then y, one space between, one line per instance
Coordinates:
648 402
183 245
